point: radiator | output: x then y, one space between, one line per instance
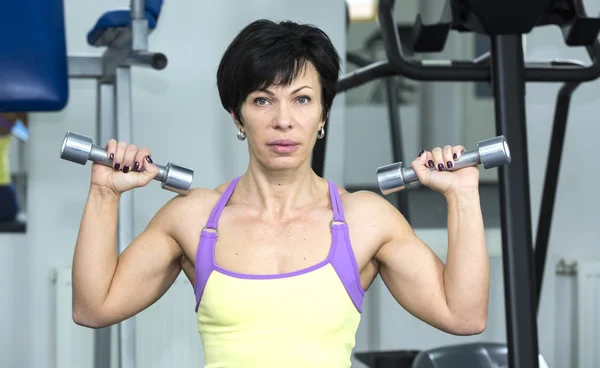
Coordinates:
565 316
166 332
577 322
588 294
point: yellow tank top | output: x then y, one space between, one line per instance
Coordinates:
4 165
306 318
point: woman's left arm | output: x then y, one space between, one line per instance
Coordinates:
466 275
452 297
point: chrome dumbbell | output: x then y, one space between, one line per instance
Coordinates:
490 153
81 149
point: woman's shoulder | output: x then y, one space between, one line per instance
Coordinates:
192 208
197 199
363 197
359 198
365 203
204 196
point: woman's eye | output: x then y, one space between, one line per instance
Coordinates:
261 101
303 99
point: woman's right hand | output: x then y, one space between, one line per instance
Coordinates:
132 168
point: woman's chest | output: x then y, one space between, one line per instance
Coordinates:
251 246
308 301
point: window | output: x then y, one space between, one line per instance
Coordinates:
362 10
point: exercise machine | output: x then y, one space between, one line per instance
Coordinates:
35 70
504 67
467 355
124 35
480 354
392 101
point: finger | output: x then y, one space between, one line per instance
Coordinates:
128 159
428 159
420 160
457 152
419 165
111 148
119 155
149 170
438 159
148 163
447 155
138 165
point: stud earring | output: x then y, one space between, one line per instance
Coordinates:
321 133
241 135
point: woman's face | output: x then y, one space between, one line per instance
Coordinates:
282 122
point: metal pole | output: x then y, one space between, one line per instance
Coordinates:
105 130
508 80
127 346
557 140
441 117
154 60
396 139
86 67
107 127
137 9
139 26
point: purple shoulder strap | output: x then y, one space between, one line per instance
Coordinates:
215 215
336 203
343 259
206 247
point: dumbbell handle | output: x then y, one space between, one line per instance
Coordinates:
491 153
468 158
80 149
99 155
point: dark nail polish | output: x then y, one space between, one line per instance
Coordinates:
117 166
430 162
136 166
455 156
112 156
421 153
125 169
441 167
148 159
449 164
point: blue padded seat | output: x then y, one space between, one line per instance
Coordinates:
34 73
111 22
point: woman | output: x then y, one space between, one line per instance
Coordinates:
280 258
9 205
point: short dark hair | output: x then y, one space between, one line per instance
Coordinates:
266 53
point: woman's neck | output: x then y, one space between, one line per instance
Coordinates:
281 193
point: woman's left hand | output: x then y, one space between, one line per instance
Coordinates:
432 169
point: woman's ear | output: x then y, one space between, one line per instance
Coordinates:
238 122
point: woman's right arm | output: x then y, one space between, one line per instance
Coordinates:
109 288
